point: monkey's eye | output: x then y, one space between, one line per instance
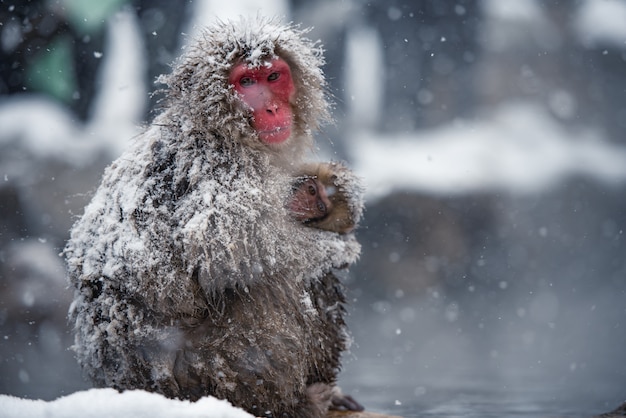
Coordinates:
246 81
321 207
273 77
312 190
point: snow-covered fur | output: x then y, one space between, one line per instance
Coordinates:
190 277
199 82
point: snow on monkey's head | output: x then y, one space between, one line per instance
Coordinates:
205 93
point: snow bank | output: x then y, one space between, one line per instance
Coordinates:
44 127
520 149
206 12
95 403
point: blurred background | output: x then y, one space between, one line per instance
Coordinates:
491 138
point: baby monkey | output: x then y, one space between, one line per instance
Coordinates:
319 199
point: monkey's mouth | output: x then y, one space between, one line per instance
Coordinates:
276 135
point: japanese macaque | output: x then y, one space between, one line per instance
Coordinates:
319 201
193 272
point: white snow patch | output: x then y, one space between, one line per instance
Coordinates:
120 105
305 299
360 70
44 127
206 12
520 150
602 21
96 403
528 10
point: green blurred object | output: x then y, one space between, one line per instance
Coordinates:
88 16
52 70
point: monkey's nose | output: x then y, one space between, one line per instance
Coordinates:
272 109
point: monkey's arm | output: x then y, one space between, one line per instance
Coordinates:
234 235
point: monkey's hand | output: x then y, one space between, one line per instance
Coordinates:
343 402
323 397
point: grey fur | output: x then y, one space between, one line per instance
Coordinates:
190 278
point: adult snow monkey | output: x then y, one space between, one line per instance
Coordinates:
191 275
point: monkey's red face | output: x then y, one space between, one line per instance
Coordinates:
268 91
